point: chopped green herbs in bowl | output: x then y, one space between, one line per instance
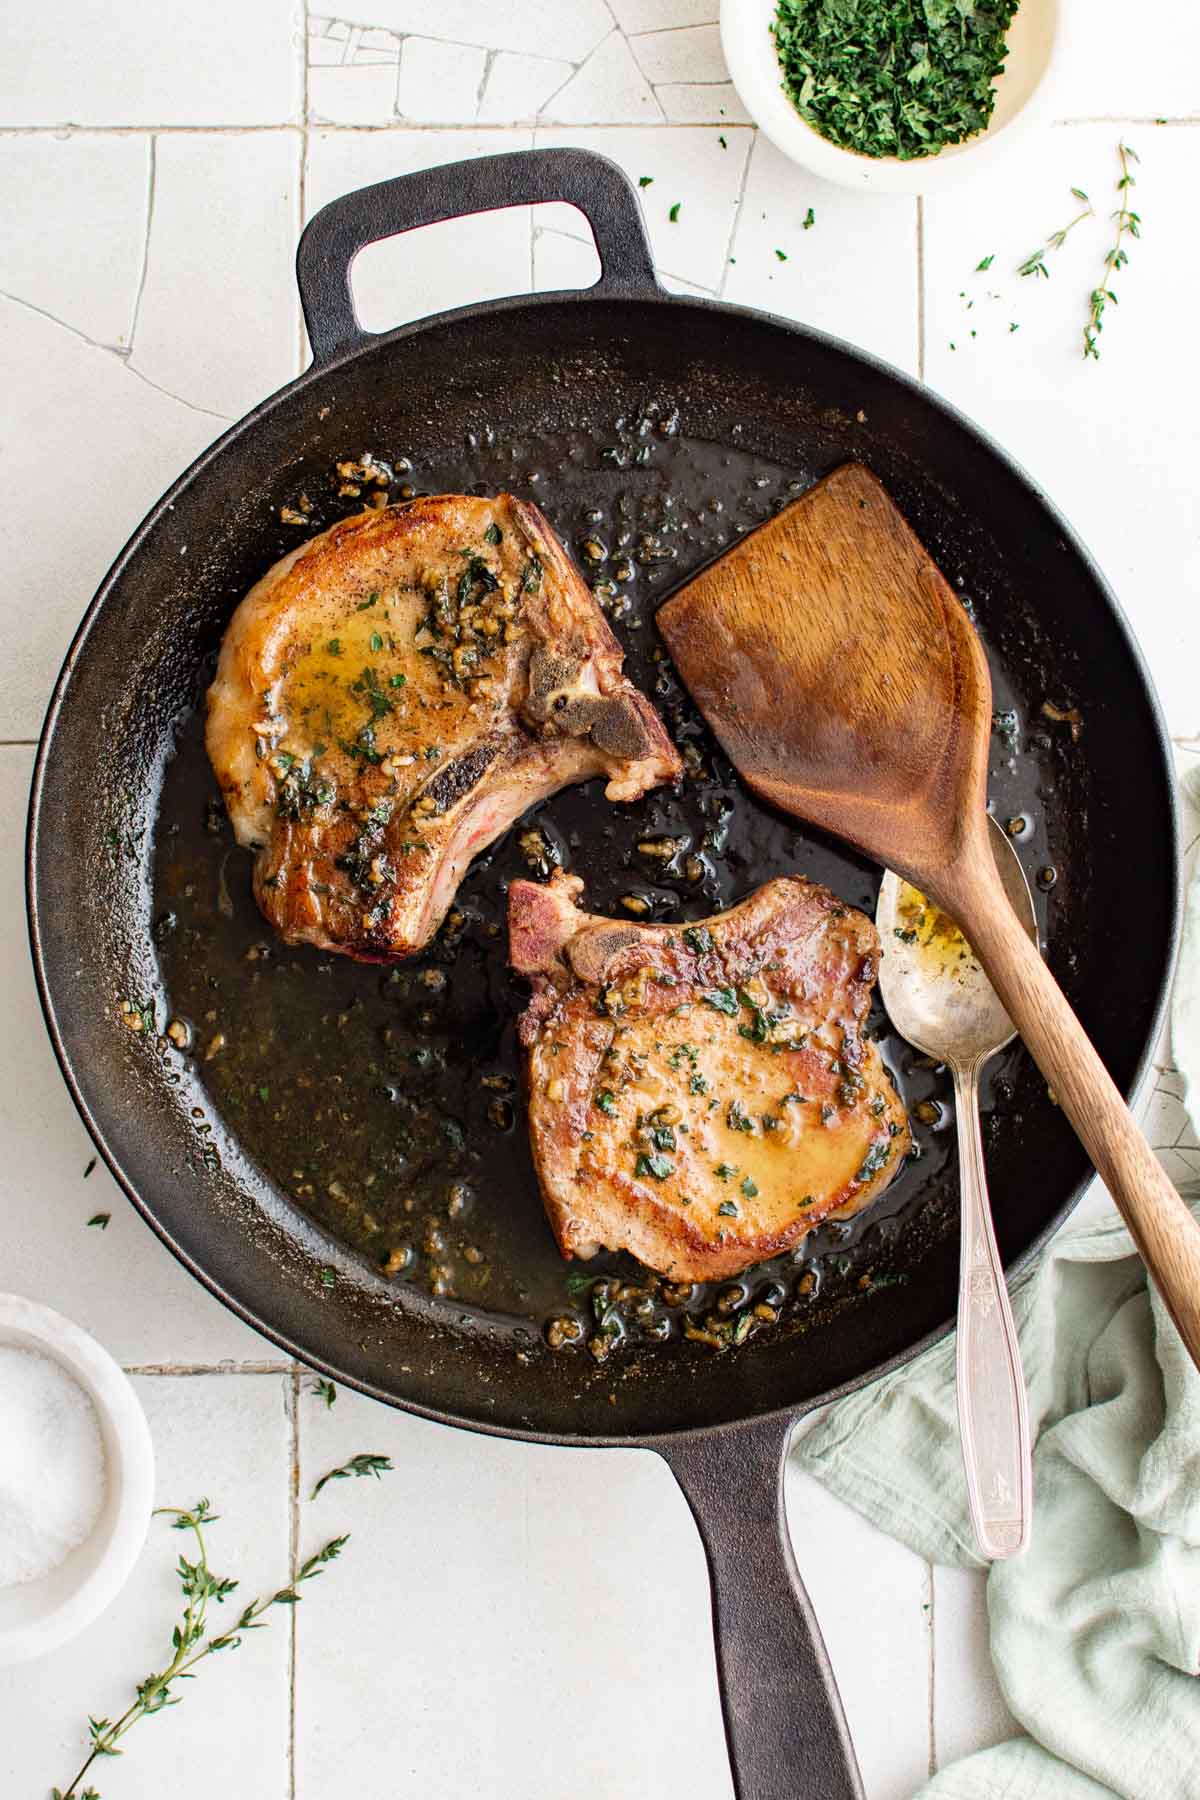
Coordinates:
893 77
891 94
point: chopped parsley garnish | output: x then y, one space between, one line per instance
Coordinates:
698 938
606 1101
645 181
722 1000
364 604
728 1208
725 1171
782 255
738 1119
334 646
749 1189
698 1085
662 1137
809 220
376 642
493 534
531 576
658 1166
874 1160
673 215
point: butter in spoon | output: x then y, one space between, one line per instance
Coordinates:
938 997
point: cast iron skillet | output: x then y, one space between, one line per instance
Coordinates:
562 368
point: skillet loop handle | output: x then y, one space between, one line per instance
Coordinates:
784 1722
334 236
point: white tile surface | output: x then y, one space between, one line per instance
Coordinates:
517 87
1113 71
439 81
663 15
444 265
711 103
871 1597
226 1437
88 62
59 389
681 55
685 166
852 273
75 228
1113 441
361 93
551 1591
968 1707
563 28
218 323
118 1282
609 85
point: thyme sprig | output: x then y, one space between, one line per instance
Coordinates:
1036 264
1129 224
190 1642
363 1464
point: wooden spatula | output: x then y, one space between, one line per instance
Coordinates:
844 679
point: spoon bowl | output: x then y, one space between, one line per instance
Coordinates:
931 981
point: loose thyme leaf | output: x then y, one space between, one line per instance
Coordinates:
365 1463
645 181
986 263
100 1219
324 1390
673 215
809 220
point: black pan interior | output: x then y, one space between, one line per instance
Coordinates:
678 425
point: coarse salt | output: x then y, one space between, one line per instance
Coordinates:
52 1470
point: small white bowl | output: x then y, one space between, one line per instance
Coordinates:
37 1616
1024 96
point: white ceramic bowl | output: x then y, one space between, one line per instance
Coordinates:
40 1615
1024 96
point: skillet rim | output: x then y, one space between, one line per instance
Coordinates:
318 371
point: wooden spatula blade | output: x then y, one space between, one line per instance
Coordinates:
840 672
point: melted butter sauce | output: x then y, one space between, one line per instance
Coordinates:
387 1103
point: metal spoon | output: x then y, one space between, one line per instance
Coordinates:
939 998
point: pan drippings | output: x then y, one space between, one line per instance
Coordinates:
386 1101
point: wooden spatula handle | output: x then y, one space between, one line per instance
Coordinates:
1164 1230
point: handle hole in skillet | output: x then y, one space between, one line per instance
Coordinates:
484 257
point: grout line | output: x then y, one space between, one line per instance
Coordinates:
737 214
32 743
62 132
293 1406
1128 119
666 30
920 287
224 1368
929 1589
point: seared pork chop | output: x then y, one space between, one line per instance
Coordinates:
702 1095
394 693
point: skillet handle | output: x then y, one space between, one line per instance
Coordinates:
333 237
784 1722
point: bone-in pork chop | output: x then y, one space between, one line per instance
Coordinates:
703 1095
394 693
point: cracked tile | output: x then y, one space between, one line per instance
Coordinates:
439 83
517 87
75 228
712 103
353 94
1121 470
61 390
224 1436
219 318
535 27
691 55
823 281
608 86
223 63
686 166
443 266
518 1630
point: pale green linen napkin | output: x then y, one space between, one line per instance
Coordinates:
1095 1631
